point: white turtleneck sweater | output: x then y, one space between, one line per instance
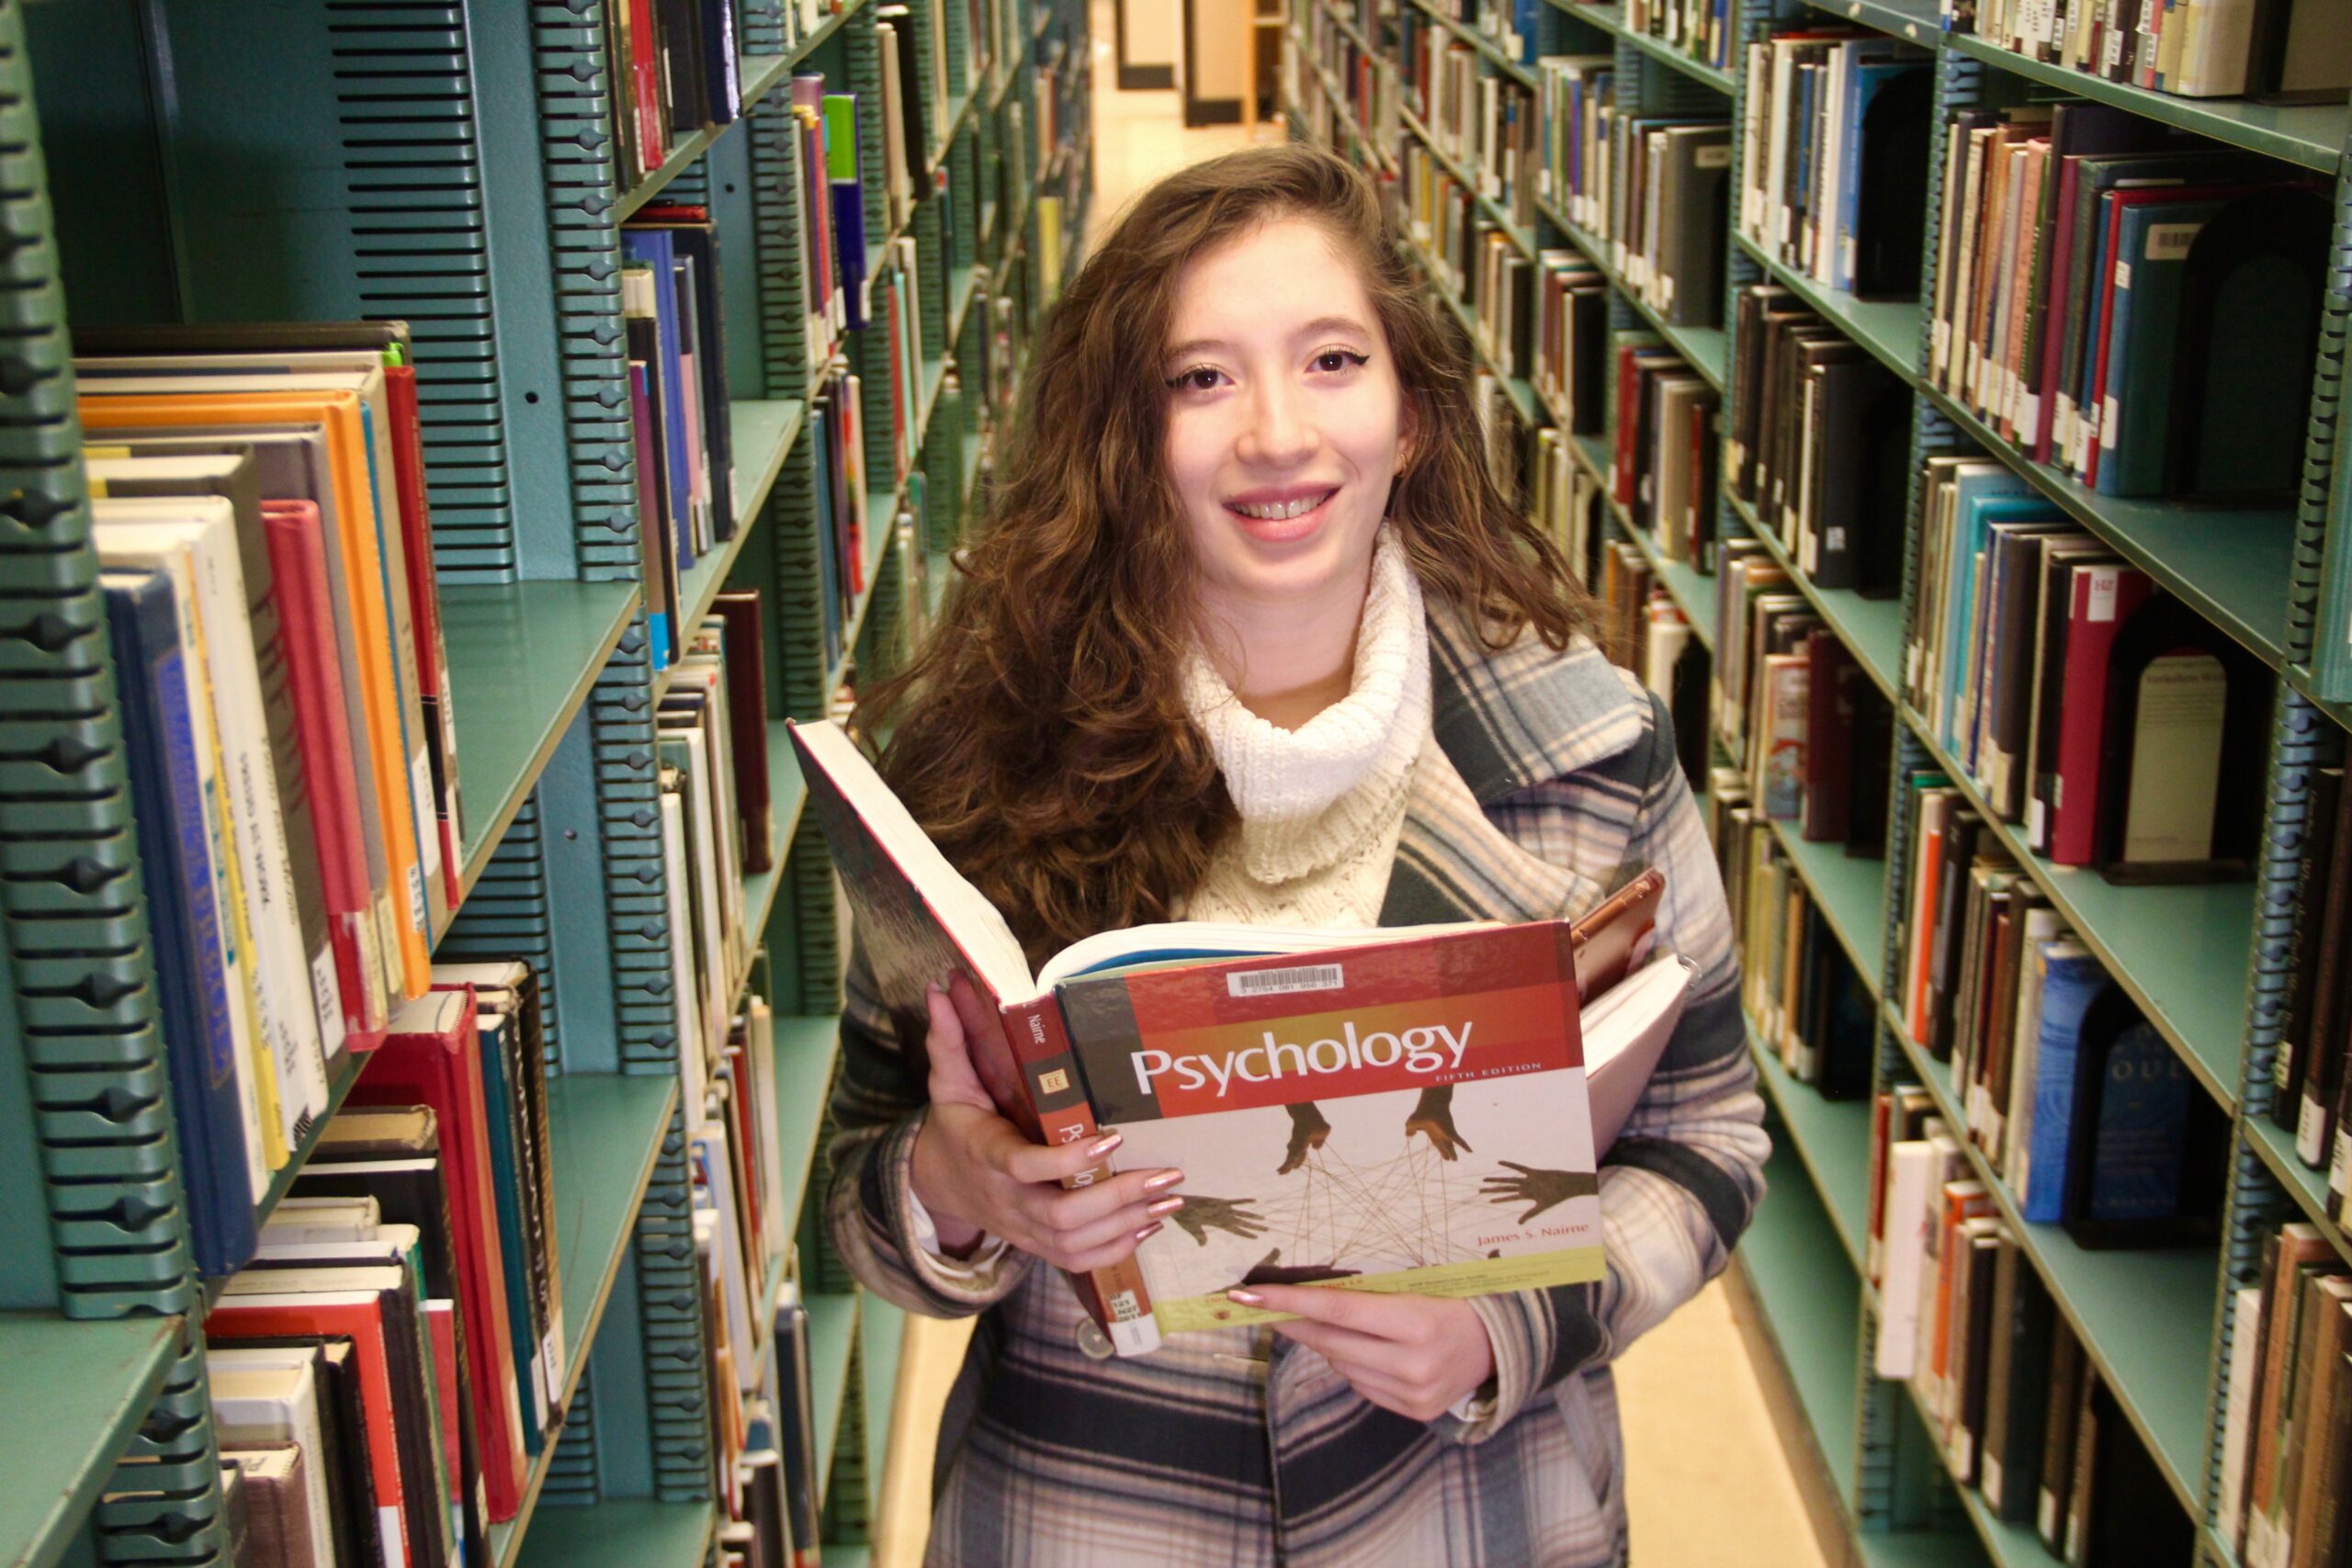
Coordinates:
1321 805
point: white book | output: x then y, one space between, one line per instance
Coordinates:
692 1072
298 1218
1910 1193
267 1404
759 1036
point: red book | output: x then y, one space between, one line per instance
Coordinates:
425 592
1334 1096
2101 598
321 727
644 74
433 1056
1629 381
357 1316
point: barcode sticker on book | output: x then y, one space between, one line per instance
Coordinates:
1275 982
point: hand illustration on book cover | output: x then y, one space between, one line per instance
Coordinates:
1543 1189
1432 1117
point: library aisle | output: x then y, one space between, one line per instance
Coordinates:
1696 1422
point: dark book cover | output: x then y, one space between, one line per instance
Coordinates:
1832 677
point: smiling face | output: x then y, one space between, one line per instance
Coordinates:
1286 426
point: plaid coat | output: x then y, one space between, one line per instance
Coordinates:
1239 1447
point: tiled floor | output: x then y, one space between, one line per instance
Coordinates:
1707 1484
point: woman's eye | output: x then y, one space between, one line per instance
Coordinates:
1201 379
1334 360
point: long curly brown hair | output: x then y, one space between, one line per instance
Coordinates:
1040 734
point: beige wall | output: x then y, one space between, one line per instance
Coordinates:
1220 39
1153 30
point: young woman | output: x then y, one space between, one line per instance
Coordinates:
1251 634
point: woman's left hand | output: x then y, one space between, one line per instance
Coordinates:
1415 1355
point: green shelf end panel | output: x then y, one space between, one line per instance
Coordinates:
622 1533
91 1384
833 1333
523 657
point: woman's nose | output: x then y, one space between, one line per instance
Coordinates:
1279 431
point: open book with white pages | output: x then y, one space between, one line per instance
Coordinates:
1402 1109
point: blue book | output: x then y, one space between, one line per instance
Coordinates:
2138 1132
1869 74
184 919
830 574
2072 980
1980 502
656 249
843 181
502 1110
1527 21
2151 244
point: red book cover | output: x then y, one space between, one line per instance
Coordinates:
359 1318
441 1322
425 590
433 1056
321 727
1629 381
747 719
653 126
2101 599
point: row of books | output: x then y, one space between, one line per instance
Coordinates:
1701 30
1485 123
1668 440
260 521
2308 1076
1652 188
1366 100
676 69
2011 1398
2279 51
1806 1002
2090 1117
2082 702
2287 1433
400 1322
1819 444
2136 308
1834 133
1802 723
1513 26
1642 629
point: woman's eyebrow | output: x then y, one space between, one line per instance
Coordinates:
1315 328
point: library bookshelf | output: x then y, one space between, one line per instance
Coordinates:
2210 966
450 163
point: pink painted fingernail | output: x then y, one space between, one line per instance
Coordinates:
1101 1147
1149 1230
1165 1206
1247 1298
1163 1181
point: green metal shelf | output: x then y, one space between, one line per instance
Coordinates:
832 1330
764 432
1872 629
622 1533
522 659
1521 237
1833 1141
1707 350
761 73
2231 565
1612 19
2312 135
824 31
606 1132
1693 590
1850 890
2182 953
1496 54
1347 25
1918 24
881 1341
1890 329
1801 1276
2145 1316
75 1393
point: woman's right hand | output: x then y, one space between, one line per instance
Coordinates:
977 1175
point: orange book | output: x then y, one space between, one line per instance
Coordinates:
364 587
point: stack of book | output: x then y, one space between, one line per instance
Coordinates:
2308 1077
1572 340
1701 30
1805 727
260 520
1513 26
1663 471
2075 1098
1819 444
671 310
675 71
1576 110
837 438
2030 657
2287 1436
1568 504
1486 124
1367 81
1502 430
1833 131
2295 51
2015 1404
2135 309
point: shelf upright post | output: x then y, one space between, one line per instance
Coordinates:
84 1038
2319 597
